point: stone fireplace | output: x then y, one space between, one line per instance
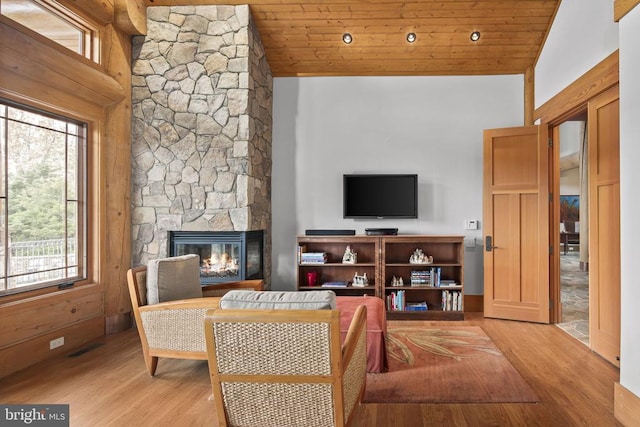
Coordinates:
201 140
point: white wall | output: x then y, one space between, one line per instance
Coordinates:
629 200
582 35
432 126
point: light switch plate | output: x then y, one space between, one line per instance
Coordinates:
471 224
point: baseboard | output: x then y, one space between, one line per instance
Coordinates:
474 303
626 406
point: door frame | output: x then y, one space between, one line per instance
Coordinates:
564 105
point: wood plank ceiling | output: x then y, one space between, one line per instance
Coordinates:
305 38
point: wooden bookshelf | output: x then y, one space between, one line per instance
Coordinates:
382 258
334 270
447 253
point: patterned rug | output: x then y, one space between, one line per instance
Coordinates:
452 364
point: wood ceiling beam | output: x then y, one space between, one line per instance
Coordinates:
622 7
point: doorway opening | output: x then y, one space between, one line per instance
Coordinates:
573 227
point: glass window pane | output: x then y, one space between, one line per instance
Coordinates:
45 22
72 167
42 224
72 234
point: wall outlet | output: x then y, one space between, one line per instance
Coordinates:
58 342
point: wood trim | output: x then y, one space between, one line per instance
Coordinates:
102 11
113 250
622 7
555 311
626 405
529 95
571 99
40 65
131 16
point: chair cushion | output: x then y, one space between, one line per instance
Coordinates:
316 300
174 278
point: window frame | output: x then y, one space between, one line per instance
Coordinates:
83 261
90 34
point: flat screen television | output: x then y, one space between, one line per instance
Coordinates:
380 196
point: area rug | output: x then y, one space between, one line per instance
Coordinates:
452 364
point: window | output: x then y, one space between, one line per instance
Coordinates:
42 199
57 24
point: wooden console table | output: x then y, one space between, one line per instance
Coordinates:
566 237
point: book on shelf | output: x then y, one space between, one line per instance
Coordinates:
396 301
417 306
335 285
301 249
447 283
313 258
430 277
451 300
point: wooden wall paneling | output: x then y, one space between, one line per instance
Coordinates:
39 59
16 86
38 72
102 11
35 316
27 353
115 182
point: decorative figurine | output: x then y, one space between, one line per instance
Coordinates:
349 256
360 281
397 281
419 257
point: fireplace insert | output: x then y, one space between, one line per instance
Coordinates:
225 256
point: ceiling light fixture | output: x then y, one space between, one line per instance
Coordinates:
411 37
347 38
475 36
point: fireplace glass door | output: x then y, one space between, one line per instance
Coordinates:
224 256
218 260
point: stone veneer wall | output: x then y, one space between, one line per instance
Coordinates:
201 143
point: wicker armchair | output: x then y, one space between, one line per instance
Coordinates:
293 370
174 329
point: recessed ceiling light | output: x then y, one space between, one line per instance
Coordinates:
475 36
347 38
411 37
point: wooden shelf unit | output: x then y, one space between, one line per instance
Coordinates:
448 255
334 270
383 257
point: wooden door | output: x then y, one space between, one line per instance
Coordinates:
516 223
604 225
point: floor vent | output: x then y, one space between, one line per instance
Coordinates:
85 350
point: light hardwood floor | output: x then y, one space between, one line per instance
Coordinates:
109 386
